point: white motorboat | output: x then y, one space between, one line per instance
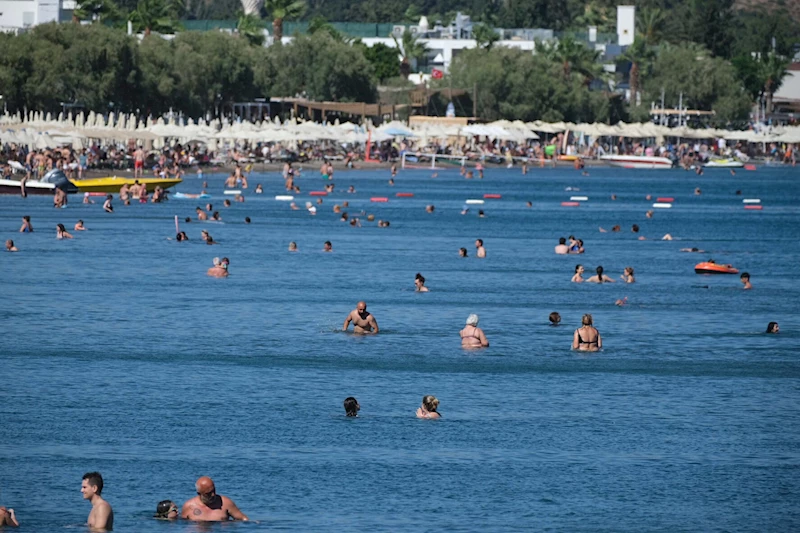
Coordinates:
637 161
47 185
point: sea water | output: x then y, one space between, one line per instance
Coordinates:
118 354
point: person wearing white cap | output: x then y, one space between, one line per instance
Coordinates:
472 336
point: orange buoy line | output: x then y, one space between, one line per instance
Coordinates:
379 199
708 267
570 204
666 199
754 207
404 194
318 193
749 167
493 196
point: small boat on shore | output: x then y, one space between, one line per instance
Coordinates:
724 163
710 267
114 183
644 162
55 179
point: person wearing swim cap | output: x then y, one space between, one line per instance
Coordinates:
472 336
363 321
208 506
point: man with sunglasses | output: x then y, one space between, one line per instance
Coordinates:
208 506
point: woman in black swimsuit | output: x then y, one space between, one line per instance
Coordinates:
586 337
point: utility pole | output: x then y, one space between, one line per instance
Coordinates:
661 118
475 100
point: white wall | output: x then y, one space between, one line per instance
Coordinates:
15 14
626 24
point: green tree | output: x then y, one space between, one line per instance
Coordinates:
155 15
320 24
485 36
650 25
336 71
281 10
712 25
772 71
573 57
383 59
706 83
410 50
251 28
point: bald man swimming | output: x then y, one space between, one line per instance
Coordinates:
208 506
363 322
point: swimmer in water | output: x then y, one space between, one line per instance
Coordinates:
745 279
26 225
621 301
217 271
79 226
292 246
327 246
101 517
107 207
472 336
692 250
429 208
772 327
207 237
600 277
8 517
61 232
555 318
166 510
351 407
10 246
429 407
363 321
528 204
667 237
201 215
627 275
462 252
480 251
208 506
419 283
258 190
586 338
578 276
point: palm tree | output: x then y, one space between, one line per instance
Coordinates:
155 15
410 49
281 10
773 71
573 56
251 28
639 55
320 24
650 22
94 10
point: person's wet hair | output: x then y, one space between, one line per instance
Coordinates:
431 403
61 227
462 252
586 320
555 318
772 327
95 480
562 240
635 228
246 220
163 508
351 406
599 271
187 219
745 275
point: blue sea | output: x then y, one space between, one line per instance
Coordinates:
118 354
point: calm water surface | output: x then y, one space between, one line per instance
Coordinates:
118 354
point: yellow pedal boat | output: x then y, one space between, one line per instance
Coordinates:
114 183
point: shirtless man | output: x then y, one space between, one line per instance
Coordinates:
208 506
363 321
480 250
219 270
138 163
201 215
101 518
133 190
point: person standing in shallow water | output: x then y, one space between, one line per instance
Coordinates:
429 407
472 336
208 506
363 321
586 338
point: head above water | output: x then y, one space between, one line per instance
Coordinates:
562 240
472 320
430 403
599 270
94 480
205 489
361 306
166 510
586 320
351 406
772 327
555 318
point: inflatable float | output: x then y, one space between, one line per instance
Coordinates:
710 267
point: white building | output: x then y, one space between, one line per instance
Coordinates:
19 15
